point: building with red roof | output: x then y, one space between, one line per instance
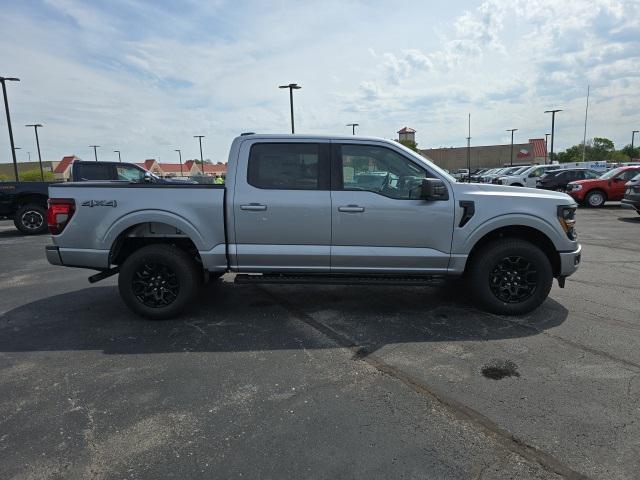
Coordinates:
62 171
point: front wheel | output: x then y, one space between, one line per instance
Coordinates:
595 199
510 277
159 281
31 219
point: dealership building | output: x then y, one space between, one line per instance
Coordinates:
489 156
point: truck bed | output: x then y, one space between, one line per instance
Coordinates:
106 211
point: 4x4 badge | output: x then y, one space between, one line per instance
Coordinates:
100 203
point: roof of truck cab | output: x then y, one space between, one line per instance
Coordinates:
298 136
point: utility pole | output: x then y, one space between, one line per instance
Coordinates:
180 157
546 146
3 80
200 137
35 128
119 157
633 135
469 149
512 130
291 87
95 151
353 127
553 128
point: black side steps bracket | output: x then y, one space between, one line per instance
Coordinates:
336 279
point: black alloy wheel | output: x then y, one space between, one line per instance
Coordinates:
155 285
514 279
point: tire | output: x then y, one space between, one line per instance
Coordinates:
499 266
595 199
31 219
159 281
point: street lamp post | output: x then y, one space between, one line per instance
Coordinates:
6 109
553 128
35 128
200 137
633 135
353 127
119 156
512 130
180 157
95 151
546 144
291 87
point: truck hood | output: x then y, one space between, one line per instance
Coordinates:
511 193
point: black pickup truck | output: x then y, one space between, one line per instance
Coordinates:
26 202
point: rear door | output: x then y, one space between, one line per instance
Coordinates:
380 223
282 206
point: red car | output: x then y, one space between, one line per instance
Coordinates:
609 186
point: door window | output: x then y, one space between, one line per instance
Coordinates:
288 166
627 174
129 173
95 171
379 170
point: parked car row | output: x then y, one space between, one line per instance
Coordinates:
589 187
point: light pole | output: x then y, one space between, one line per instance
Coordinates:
633 136
291 87
180 157
95 151
3 80
119 156
553 128
353 127
546 145
512 130
35 128
200 137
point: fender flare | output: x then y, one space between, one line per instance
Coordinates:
513 220
152 216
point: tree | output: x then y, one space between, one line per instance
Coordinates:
598 149
3 178
635 153
409 144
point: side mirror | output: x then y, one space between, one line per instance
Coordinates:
148 178
434 189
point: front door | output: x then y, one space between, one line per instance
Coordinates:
380 224
617 184
282 209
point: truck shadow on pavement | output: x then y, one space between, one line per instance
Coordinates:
232 317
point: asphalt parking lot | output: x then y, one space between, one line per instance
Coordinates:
322 382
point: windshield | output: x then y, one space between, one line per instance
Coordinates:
611 173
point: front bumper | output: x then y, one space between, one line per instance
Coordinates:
631 202
570 261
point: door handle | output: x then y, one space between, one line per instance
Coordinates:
351 209
253 207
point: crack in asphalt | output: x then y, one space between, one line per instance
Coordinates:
459 410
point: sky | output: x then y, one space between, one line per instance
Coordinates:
145 77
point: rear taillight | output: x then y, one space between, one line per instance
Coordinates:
59 213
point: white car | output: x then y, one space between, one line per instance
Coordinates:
528 176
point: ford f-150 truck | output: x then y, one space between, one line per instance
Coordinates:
315 209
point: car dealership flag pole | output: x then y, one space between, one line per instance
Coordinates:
469 149
584 138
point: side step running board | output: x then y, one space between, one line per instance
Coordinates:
335 279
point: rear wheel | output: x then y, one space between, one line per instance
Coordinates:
159 281
595 199
510 277
31 219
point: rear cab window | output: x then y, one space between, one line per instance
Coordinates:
94 171
289 166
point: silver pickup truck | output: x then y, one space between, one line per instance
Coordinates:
316 209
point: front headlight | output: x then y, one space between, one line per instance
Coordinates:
567 219
575 187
